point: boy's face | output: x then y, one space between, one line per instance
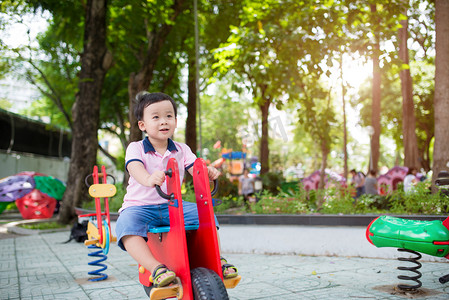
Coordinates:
159 121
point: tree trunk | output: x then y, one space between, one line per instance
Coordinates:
424 148
410 142
345 130
191 132
441 100
264 150
375 112
86 110
425 163
141 80
136 84
324 154
191 135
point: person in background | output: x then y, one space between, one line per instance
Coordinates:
410 179
358 179
371 183
246 187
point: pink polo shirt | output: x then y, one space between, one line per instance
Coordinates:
143 151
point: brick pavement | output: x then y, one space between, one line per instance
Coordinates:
42 267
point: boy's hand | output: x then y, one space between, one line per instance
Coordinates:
157 178
213 173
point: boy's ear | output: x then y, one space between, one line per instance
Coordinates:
141 125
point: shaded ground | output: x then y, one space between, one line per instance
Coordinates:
6 235
5 218
9 229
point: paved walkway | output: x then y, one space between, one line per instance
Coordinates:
40 266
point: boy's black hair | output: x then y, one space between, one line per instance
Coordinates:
144 99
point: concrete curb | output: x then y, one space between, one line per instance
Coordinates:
313 220
290 219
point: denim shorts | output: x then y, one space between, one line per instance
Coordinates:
136 220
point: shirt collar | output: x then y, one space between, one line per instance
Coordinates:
147 146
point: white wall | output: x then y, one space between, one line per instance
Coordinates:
13 163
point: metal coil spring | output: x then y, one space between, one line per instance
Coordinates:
414 269
98 263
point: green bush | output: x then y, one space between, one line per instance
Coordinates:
419 201
298 201
227 188
283 203
272 182
337 201
340 201
227 193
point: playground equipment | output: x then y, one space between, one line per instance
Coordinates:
36 194
99 235
389 181
233 161
311 182
429 237
190 250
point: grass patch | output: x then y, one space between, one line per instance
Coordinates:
43 225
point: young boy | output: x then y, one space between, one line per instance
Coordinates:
146 161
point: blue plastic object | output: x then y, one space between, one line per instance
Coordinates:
163 229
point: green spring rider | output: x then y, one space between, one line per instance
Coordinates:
413 236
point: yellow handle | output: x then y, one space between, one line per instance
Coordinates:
102 190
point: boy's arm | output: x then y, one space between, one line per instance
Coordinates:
137 170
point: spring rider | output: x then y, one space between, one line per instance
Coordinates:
413 236
190 250
99 234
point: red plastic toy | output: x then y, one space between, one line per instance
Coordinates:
192 252
36 205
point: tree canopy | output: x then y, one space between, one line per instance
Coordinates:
255 57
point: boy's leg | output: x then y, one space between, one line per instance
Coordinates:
138 249
191 218
131 230
228 271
